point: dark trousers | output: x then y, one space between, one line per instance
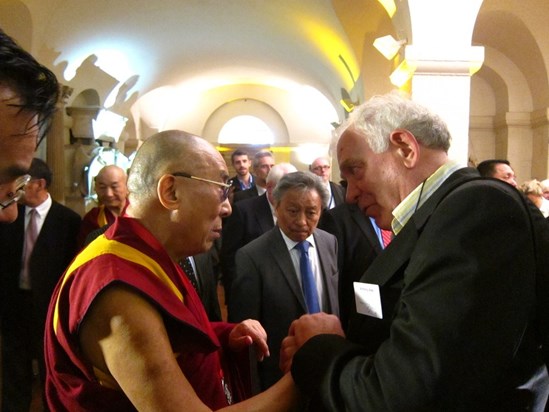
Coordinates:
22 342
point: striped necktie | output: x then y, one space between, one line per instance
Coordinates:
386 236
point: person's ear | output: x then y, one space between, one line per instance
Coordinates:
167 192
405 146
41 183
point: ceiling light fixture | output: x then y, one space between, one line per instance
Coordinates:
388 46
402 73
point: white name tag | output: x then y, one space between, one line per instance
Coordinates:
368 299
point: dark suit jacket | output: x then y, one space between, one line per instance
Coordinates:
207 273
249 220
245 194
338 192
458 292
266 288
54 249
358 246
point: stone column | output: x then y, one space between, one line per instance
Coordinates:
440 56
81 148
55 148
540 125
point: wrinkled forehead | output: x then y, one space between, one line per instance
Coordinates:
111 175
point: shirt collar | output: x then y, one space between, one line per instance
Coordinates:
42 209
290 244
405 210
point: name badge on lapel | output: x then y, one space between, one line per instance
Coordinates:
368 299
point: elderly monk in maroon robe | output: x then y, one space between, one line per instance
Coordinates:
126 330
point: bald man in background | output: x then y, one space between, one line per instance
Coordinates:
112 193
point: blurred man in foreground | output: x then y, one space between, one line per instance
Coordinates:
28 94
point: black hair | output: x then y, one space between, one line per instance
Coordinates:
35 84
486 168
40 170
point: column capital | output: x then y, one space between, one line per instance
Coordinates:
445 61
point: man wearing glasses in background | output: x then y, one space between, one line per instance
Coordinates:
126 329
28 94
321 168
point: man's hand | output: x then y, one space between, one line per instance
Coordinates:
247 333
304 328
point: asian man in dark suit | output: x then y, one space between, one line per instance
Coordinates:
27 287
269 285
249 220
453 315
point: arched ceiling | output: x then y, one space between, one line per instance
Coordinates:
168 41
512 32
224 50
198 47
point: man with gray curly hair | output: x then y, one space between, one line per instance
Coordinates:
288 271
446 318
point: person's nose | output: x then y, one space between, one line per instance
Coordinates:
352 193
301 219
226 209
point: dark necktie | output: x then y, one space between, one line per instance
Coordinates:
31 233
189 271
307 278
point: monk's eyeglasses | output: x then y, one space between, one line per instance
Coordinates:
20 184
226 186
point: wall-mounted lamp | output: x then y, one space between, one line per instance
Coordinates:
347 102
402 73
388 46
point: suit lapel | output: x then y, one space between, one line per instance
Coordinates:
281 255
388 263
329 277
49 226
337 193
264 215
363 222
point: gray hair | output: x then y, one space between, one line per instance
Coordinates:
377 118
260 155
303 181
279 170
